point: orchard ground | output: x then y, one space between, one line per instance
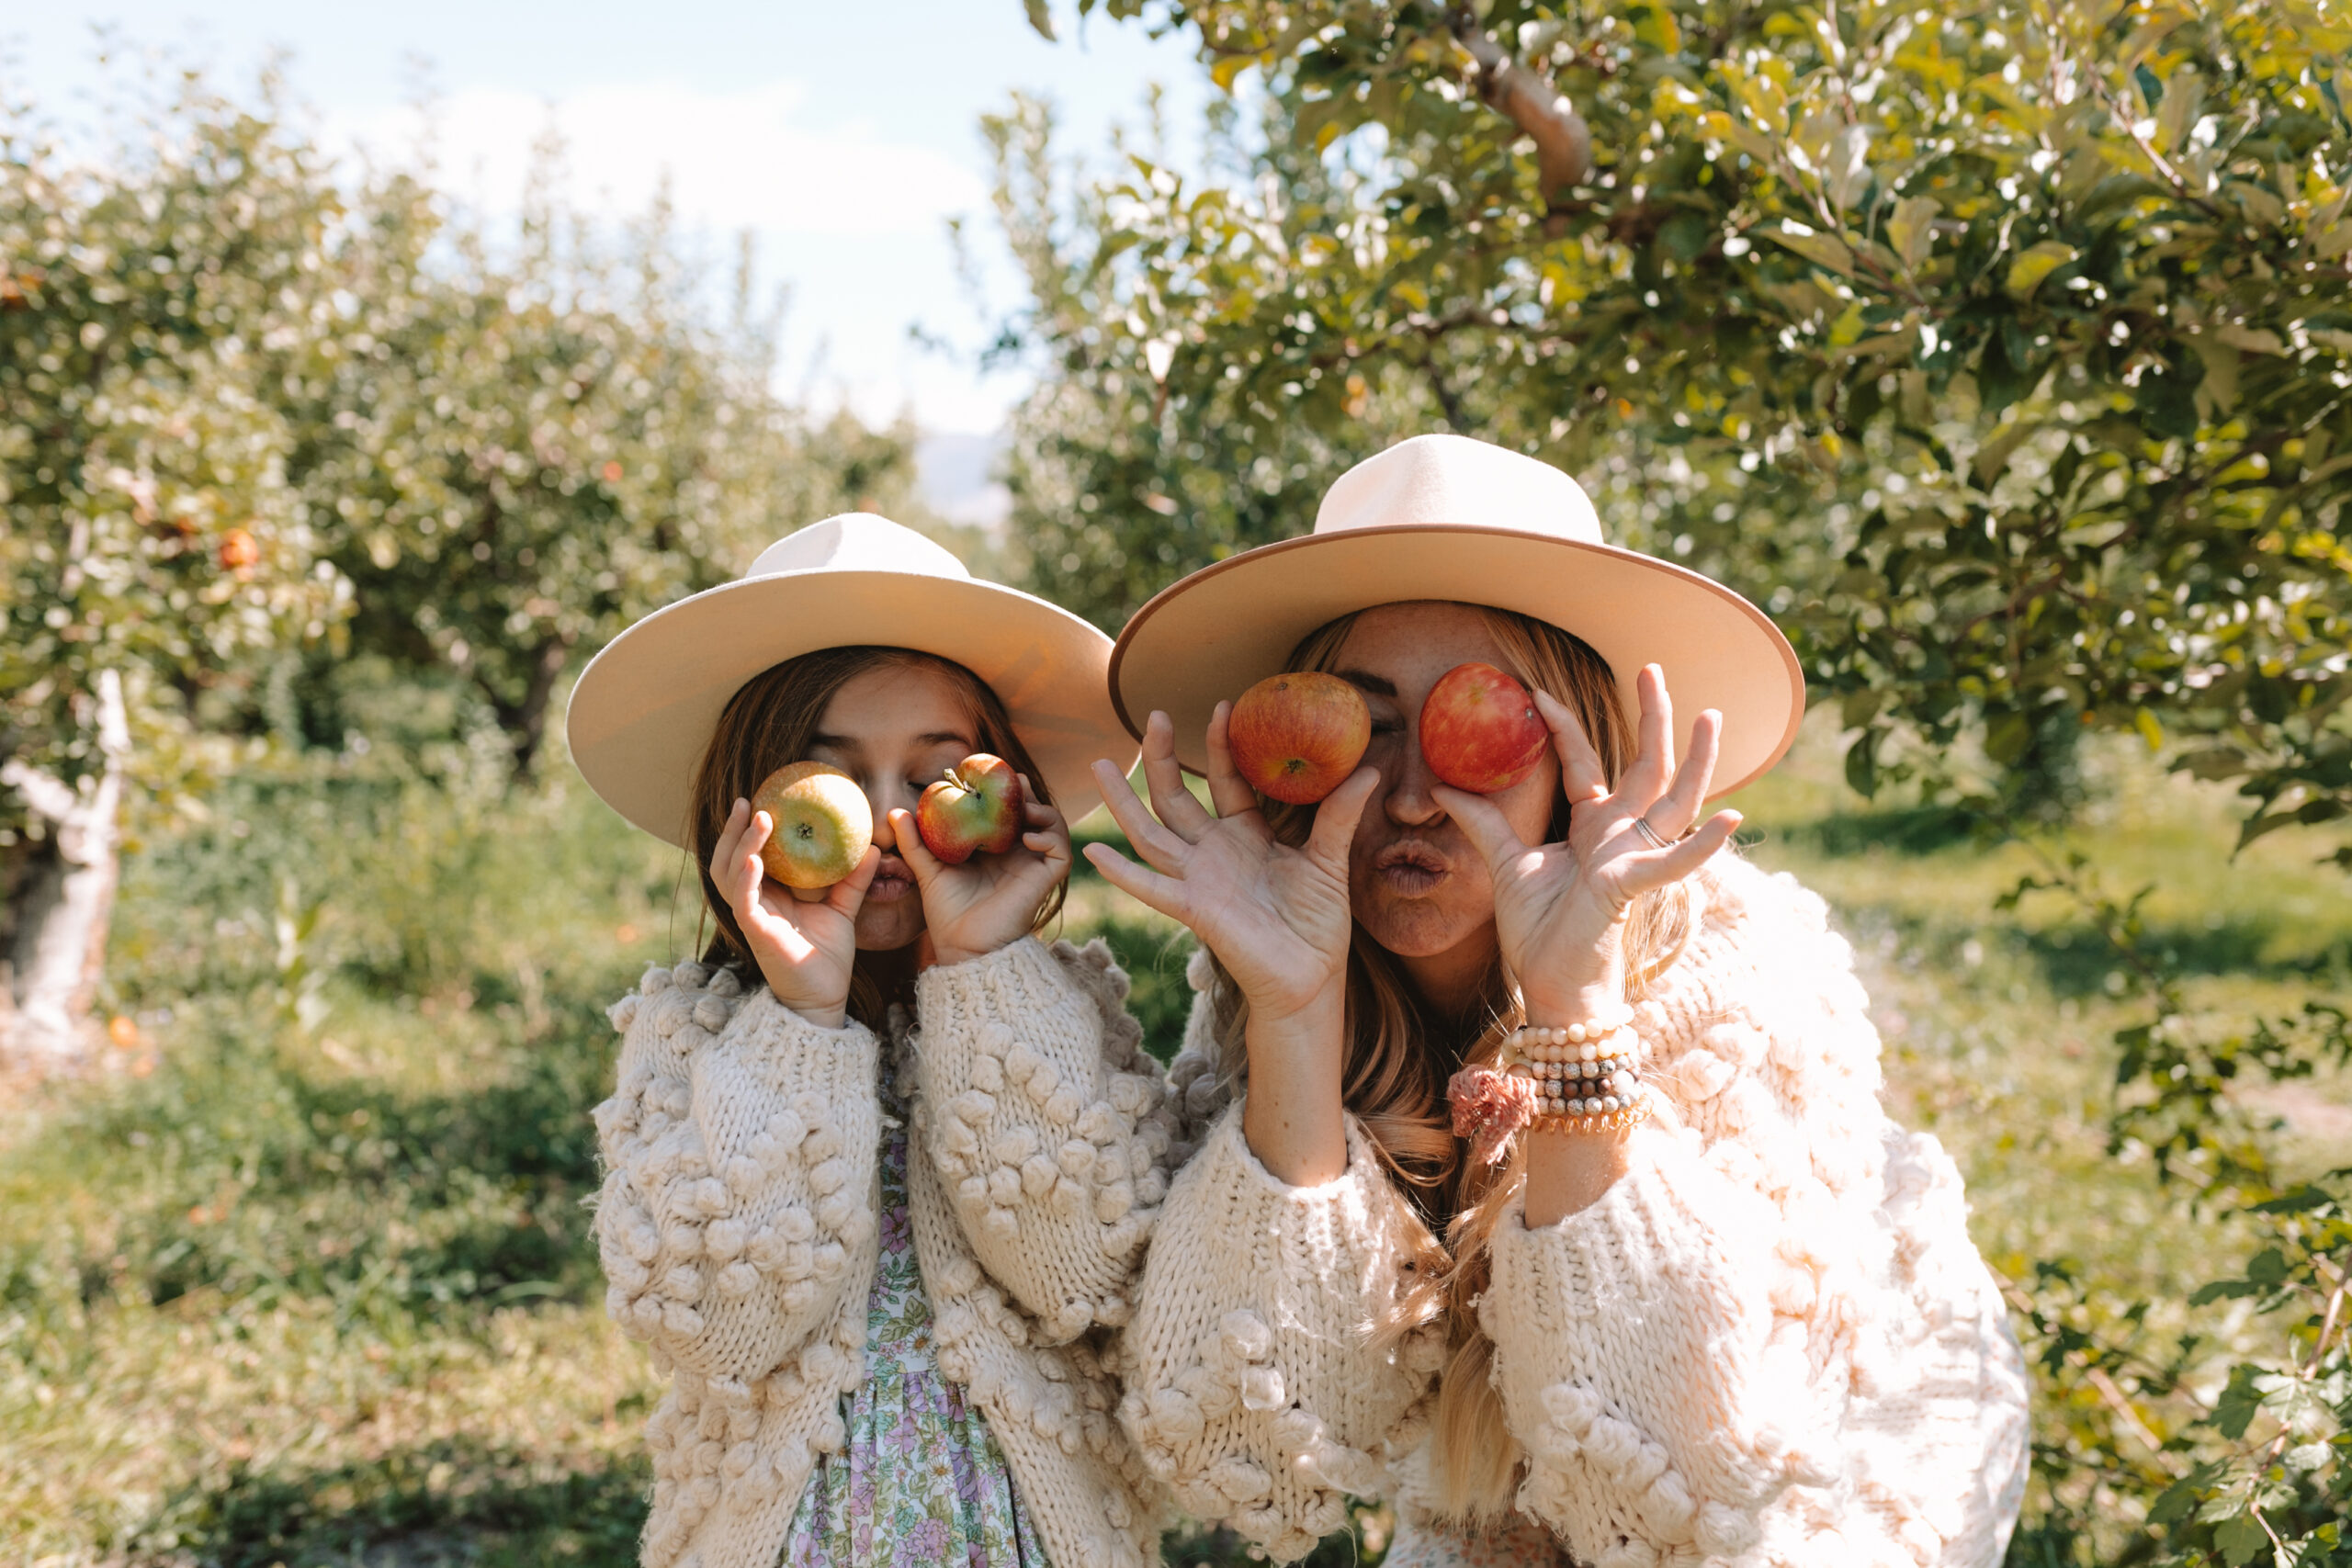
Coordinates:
307 1278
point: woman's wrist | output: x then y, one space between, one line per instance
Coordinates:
1293 1120
1559 1005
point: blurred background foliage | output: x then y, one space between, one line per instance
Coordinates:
1999 350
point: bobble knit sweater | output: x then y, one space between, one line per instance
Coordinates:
1771 1343
738 1230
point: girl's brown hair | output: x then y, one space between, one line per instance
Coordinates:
1400 1054
769 723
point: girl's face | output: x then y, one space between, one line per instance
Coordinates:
1417 885
894 728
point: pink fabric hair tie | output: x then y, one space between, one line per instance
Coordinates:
1489 1105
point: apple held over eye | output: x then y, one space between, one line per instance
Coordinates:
1296 737
1480 730
976 807
823 824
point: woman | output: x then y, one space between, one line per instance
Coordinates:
1710 1306
871 1366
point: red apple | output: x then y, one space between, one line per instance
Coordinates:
1296 737
976 807
1480 730
823 824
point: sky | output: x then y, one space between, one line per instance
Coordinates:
846 135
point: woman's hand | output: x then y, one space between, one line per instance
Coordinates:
804 941
1277 918
990 901
1559 909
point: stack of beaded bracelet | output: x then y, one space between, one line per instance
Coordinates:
1586 1076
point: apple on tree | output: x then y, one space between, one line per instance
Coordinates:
1480 730
822 824
1296 737
976 807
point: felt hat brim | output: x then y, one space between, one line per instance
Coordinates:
1212 636
646 707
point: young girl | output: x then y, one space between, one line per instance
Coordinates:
881 1351
1709 1305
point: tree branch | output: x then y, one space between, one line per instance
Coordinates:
1562 140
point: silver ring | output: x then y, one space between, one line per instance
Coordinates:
1642 826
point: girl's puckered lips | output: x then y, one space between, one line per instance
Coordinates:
892 882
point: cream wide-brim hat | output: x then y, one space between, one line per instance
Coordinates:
1448 518
646 707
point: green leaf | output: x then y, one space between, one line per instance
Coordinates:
2240 1539
1686 234
2037 262
1822 250
2167 405
1041 17
1861 764
1911 228
2234 1411
2006 737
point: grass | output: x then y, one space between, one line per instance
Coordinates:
307 1280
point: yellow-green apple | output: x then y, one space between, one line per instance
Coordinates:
1296 737
1480 730
976 807
822 824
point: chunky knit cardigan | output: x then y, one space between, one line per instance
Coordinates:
1772 1344
737 1226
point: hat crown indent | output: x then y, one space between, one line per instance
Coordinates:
857 541
1455 480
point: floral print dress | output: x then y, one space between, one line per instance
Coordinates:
921 1478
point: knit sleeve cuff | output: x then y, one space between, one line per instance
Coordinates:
1261 1389
1019 980
1048 1124
1637 1359
741 1147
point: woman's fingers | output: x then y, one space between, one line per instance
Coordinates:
1482 822
1143 885
1687 855
1679 807
1336 819
1154 842
1228 791
1654 763
1581 775
1170 801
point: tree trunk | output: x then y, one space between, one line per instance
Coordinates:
526 723
64 902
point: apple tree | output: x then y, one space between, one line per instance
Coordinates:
151 543
530 445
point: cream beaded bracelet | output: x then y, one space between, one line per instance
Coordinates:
1584 1077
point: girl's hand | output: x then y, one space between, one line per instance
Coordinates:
1277 918
990 901
804 941
1559 909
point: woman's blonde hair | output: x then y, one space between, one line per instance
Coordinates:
770 722
1400 1055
